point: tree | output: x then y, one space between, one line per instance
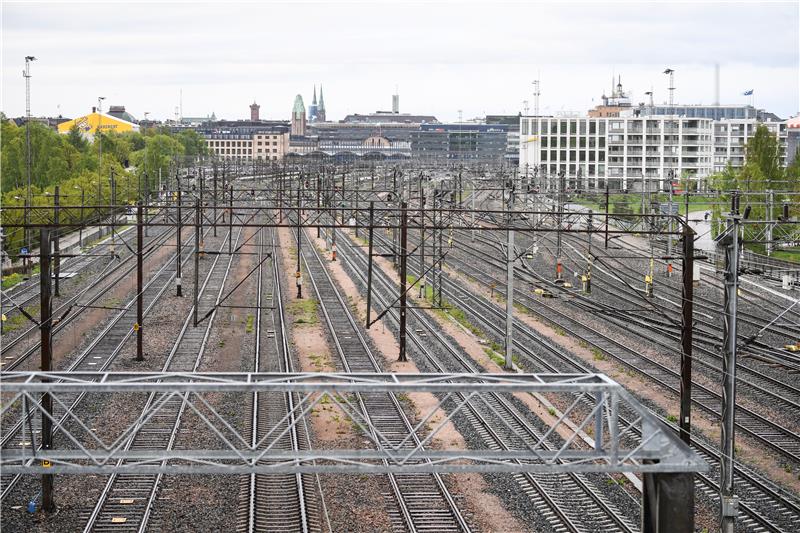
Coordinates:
76 139
193 143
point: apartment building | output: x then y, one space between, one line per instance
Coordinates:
271 145
621 152
731 136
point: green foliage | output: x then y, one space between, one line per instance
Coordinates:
73 162
303 311
11 280
158 154
761 173
193 143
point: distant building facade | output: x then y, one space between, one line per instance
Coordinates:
254 112
475 142
792 139
512 141
94 122
616 151
265 145
298 117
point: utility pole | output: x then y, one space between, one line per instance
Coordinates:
195 288
138 326
770 220
113 184
298 275
669 231
441 253
396 199
56 241
422 275
230 221
730 242
607 220
46 329
179 221
215 198
369 262
28 160
559 217
403 265
687 309
509 364
319 187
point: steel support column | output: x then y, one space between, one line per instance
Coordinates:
403 274
56 242
195 285
509 364
46 329
369 262
687 309
179 222
668 502
728 501
139 283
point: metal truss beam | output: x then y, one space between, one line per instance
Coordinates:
80 448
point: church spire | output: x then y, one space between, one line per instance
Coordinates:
314 101
321 99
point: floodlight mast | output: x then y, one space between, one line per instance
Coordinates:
671 73
28 162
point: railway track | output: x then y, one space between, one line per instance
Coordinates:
422 501
567 502
707 338
765 431
276 502
760 499
668 297
73 308
127 500
97 356
23 294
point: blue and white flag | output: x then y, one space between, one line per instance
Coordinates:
748 93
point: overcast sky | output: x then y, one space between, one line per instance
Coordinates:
444 56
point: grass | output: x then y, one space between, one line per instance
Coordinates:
304 311
551 411
598 354
11 280
18 320
560 331
622 481
787 255
672 418
248 327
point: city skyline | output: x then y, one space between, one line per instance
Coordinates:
462 57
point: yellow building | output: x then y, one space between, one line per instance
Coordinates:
89 124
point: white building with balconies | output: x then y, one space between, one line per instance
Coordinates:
620 152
